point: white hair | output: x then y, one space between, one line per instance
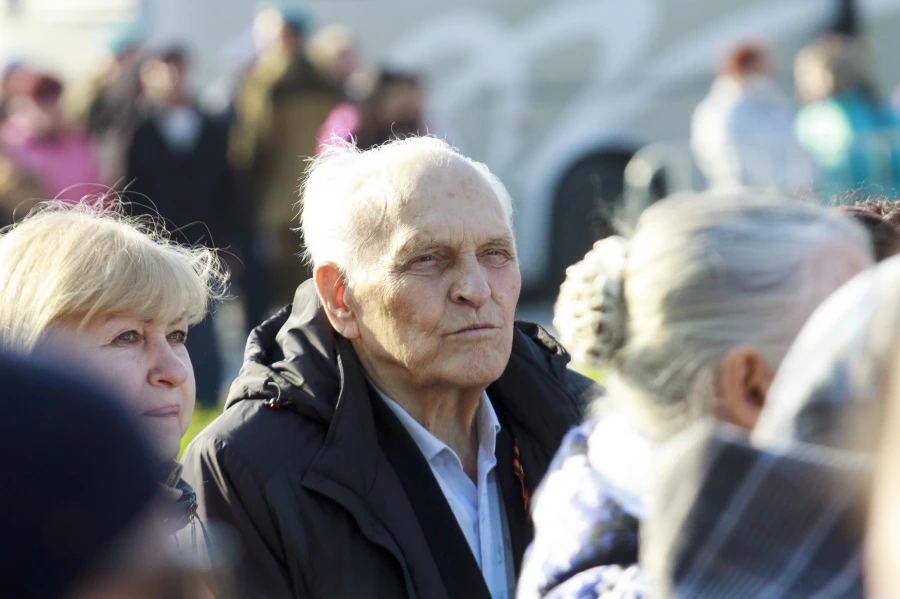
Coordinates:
347 191
703 275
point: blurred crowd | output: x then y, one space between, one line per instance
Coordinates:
226 178
843 137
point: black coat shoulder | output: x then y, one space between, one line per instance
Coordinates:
263 440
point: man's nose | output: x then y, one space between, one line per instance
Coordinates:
471 285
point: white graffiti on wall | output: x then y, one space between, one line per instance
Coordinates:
499 57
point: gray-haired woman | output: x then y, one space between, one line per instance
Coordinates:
690 318
791 520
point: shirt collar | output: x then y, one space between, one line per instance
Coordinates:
487 425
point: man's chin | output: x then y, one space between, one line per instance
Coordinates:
474 373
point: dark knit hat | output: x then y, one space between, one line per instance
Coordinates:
77 473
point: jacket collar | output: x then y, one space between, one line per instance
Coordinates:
349 455
180 496
352 470
351 438
295 361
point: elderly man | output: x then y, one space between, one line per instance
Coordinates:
386 431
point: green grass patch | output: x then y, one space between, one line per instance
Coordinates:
597 375
202 417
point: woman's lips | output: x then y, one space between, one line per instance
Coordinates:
171 411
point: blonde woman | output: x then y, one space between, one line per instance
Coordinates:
114 299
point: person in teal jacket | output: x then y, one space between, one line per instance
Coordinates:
845 126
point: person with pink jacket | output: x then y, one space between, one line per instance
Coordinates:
39 141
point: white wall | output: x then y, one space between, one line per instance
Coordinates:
63 36
206 27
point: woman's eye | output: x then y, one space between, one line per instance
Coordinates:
425 259
178 336
128 337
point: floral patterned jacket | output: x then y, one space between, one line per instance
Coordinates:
586 544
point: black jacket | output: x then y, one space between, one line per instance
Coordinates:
326 490
193 189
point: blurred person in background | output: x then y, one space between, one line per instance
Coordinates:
107 102
37 139
387 429
15 77
113 298
178 161
845 125
742 133
18 188
393 109
689 319
332 51
281 105
80 506
177 157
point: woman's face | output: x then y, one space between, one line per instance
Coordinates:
147 363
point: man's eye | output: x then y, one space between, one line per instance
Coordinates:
427 263
496 256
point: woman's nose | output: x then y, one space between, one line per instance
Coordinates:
167 368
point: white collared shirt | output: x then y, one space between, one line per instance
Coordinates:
478 509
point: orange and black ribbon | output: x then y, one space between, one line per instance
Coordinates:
519 472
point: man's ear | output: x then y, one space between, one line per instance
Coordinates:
744 381
332 290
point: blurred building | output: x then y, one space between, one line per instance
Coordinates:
62 36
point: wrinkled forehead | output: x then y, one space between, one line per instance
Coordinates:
441 190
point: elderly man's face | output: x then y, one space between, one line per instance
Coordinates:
437 307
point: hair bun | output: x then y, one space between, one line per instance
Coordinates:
590 314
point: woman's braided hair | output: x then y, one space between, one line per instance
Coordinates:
590 314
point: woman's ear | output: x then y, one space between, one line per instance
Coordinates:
744 381
332 290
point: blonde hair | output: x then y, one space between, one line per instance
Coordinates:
81 261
